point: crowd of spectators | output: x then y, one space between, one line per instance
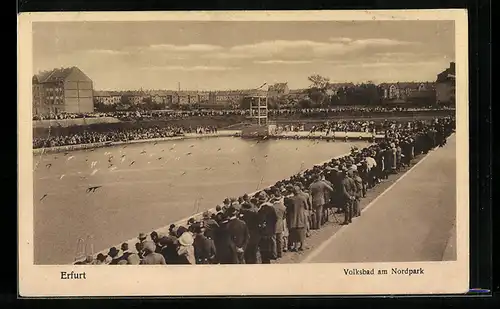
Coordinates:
119 135
261 227
63 116
277 113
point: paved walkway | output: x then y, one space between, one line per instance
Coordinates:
413 220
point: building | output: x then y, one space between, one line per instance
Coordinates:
203 97
107 97
137 97
159 96
230 97
445 86
64 90
184 97
406 90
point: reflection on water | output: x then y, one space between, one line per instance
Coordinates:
147 186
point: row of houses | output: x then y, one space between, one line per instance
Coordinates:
169 97
70 90
394 91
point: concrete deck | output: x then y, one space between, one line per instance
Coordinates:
412 220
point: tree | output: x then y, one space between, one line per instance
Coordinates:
316 95
125 99
318 89
319 82
305 103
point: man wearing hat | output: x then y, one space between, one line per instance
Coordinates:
209 225
399 154
371 166
142 237
280 209
204 248
250 216
113 253
150 256
348 190
358 185
320 192
267 226
169 246
235 239
100 260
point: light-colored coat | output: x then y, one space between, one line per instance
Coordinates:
296 211
280 209
319 192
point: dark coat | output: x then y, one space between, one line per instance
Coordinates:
210 226
347 189
267 220
169 250
230 235
204 249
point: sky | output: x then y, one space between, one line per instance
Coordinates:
221 55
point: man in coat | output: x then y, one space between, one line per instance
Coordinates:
320 192
209 225
204 248
280 209
267 226
358 186
308 211
238 234
235 239
347 197
296 219
249 215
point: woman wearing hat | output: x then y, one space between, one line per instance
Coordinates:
296 218
186 249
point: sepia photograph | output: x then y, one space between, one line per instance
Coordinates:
189 144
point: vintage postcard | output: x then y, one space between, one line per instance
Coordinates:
243 153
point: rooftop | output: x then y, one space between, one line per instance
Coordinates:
53 75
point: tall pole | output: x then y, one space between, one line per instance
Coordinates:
258 114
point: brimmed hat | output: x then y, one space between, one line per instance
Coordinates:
149 246
186 239
142 236
230 211
206 214
263 197
113 251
